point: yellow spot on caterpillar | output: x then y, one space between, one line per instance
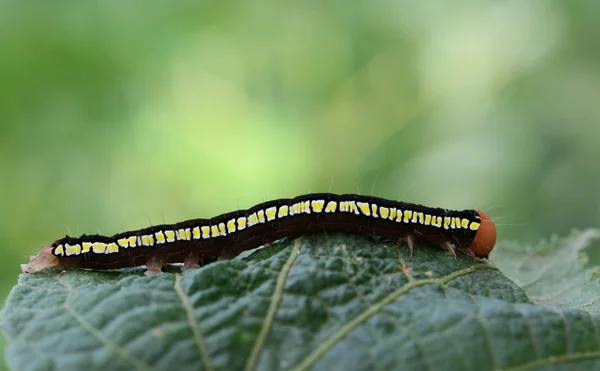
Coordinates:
384 212
364 207
344 206
252 220
86 246
123 242
439 221
59 251
271 213
72 249
160 237
261 216
421 218
205 231
170 236
414 217
231 226
111 248
474 226
296 208
306 207
446 222
407 215
331 207
465 223
317 205
353 207
283 211
146 240
399 216
374 211
427 219
222 230
99 247
196 233
180 234
132 241
214 229
241 223
393 213
453 223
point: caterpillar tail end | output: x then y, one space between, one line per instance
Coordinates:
485 238
43 259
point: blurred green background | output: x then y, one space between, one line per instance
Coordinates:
116 115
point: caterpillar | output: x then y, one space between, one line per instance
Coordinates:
471 232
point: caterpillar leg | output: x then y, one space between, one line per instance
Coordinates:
447 245
410 242
467 251
191 262
154 265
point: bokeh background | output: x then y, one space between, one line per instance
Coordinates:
116 115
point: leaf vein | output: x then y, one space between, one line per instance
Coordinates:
259 345
139 364
191 318
320 351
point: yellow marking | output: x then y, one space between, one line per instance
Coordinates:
180 233
446 222
474 226
86 246
364 207
407 215
188 234
123 242
160 237
439 221
393 213
241 223
306 207
353 208
170 235
196 233
374 211
317 205
112 247
72 249
146 240
453 223
261 216
231 226
465 223
421 218
59 250
427 219
222 231
205 231
132 241
344 206
283 211
399 216
214 230
252 220
331 207
296 208
99 247
384 212
414 217
271 213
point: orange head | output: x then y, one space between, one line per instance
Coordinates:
485 238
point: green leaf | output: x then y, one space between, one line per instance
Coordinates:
318 302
